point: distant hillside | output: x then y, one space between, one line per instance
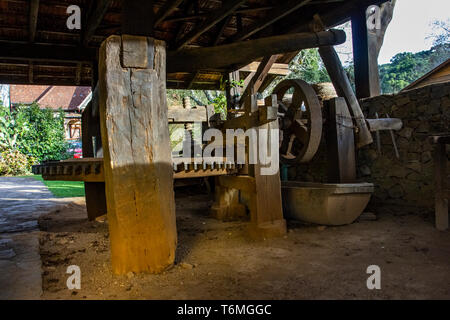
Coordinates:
407 67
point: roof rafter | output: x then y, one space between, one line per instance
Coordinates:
34 10
227 8
166 10
94 19
279 13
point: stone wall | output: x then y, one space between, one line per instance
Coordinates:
409 179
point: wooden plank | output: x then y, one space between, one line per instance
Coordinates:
242 53
227 8
279 69
94 19
137 160
441 192
384 124
280 12
34 11
341 158
187 115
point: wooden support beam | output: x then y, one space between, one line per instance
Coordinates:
138 17
333 18
367 79
94 19
46 52
242 53
265 205
34 11
343 88
90 135
341 157
258 78
30 72
166 10
78 73
227 8
279 13
441 188
137 155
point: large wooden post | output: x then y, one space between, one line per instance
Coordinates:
137 155
365 56
266 211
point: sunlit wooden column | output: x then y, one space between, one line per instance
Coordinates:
137 155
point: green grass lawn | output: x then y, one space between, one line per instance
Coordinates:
62 189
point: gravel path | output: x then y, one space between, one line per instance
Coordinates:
22 201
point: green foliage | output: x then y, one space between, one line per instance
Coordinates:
34 132
13 162
308 66
407 67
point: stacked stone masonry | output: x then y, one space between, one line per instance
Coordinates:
408 180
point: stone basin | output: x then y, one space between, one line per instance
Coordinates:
325 204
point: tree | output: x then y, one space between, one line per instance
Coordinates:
441 34
407 67
34 132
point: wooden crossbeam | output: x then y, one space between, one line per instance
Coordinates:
34 10
30 72
94 19
242 53
258 78
215 17
279 69
279 13
166 10
46 52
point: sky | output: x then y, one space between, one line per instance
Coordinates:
411 25
408 31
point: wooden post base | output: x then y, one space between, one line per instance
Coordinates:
137 156
267 230
226 206
95 199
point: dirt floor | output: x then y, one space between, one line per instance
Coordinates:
216 260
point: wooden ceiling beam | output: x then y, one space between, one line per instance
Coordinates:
94 19
332 18
44 52
244 52
166 10
34 10
279 13
228 8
